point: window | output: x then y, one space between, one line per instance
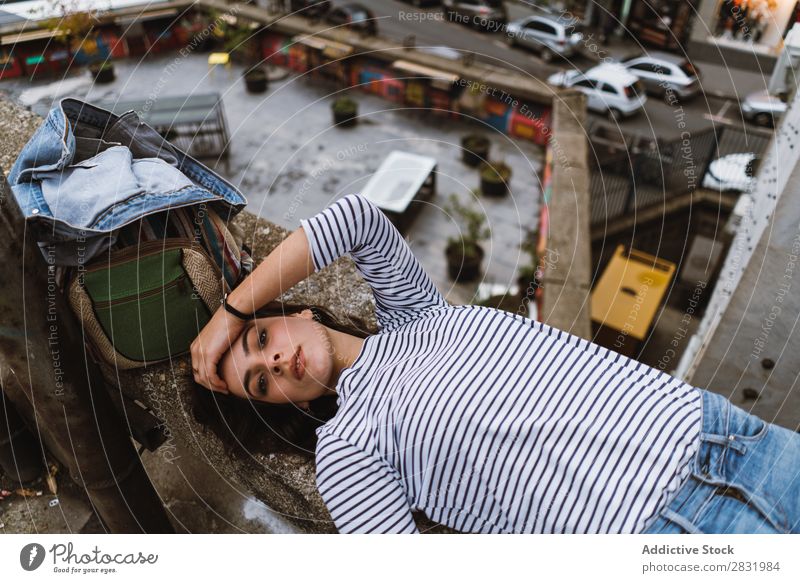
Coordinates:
539 26
607 88
634 90
587 83
641 67
650 67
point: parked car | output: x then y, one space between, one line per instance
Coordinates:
550 35
764 108
310 8
734 172
486 14
355 16
662 72
609 88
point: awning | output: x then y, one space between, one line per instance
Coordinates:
11 39
439 79
329 48
152 15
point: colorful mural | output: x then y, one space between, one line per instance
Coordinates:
544 225
367 73
10 65
275 49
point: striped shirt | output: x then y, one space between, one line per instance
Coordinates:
484 420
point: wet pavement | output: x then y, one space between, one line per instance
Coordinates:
197 500
291 162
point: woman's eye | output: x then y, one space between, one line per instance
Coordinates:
262 339
262 386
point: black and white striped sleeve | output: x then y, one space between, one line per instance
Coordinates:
354 225
361 491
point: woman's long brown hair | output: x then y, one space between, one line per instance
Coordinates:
286 427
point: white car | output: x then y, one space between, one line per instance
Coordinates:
734 172
663 73
609 88
763 108
546 34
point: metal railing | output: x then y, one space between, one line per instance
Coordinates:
630 174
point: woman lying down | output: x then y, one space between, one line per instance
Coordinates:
484 420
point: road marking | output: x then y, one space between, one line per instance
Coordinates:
720 116
715 118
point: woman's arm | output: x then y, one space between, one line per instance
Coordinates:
354 225
363 493
288 264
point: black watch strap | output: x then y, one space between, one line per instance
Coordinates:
231 310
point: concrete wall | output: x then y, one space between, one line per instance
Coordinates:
567 258
748 342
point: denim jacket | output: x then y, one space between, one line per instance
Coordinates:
86 172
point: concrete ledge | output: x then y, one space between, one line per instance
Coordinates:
567 273
283 481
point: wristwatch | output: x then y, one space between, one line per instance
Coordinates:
231 310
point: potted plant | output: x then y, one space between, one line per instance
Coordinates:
102 71
474 149
464 253
256 80
494 178
345 111
239 44
529 276
74 27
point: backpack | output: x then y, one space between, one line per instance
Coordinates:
146 299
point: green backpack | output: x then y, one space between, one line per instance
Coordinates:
147 299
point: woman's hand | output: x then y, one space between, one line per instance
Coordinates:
209 346
287 264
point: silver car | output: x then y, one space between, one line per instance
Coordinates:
549 35
764 108
664 73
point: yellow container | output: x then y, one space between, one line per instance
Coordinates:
628 295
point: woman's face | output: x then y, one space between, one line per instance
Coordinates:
261 362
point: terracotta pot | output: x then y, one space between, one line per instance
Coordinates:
463 268
494 179
102 72
345 113
256 80
344 118
474 149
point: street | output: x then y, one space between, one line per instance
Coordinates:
397 20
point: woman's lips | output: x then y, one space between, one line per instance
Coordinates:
300 369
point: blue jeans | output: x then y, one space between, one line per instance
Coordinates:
745 477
